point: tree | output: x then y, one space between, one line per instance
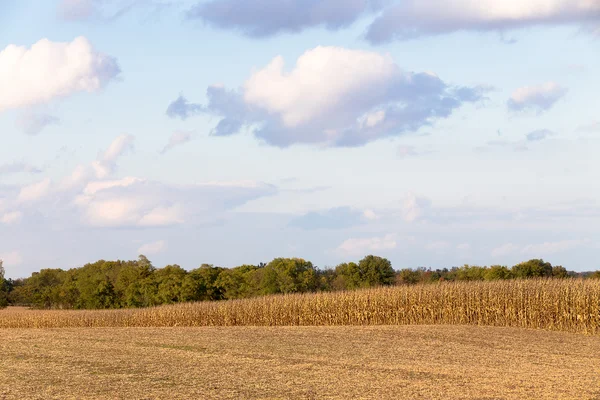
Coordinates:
289 275
535 268
3 288
376 271
348 276
497 272
558 271
408 276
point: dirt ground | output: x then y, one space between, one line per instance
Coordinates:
406 362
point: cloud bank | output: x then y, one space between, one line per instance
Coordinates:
262 18
397 19
409 19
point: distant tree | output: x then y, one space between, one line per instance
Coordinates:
469 273
348 276
408 276
371 271
558 271
3 288
202 284
289 275
535 268
169 281
240 282
595 275
497 272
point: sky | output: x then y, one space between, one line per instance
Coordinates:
435 133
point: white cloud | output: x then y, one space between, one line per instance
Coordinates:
543 249
370 215
414 207
592 127
35 191
537 98
505 249
50 70
438 246
32 123
333 96
106 163
96 186
407 151
413 18
18 167
463 247
11 218
361 246
153 248
11 259
163 216
539 250
177 138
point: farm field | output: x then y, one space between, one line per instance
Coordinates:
370 362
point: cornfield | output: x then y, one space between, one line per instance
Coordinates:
563 305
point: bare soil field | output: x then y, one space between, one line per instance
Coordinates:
375 362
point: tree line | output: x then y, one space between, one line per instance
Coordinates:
137 283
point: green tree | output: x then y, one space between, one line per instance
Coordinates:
348 276
202 284
3 288
289 275
169 282
558 271
376 271
497 272
408 276
535 268
469 273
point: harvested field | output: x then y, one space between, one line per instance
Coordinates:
387 362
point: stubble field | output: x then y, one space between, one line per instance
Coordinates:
370 362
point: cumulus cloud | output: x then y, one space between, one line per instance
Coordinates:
409 19
153 248
538 98
49 70
261 18
361 246
333 96
32 124
539 135
177 138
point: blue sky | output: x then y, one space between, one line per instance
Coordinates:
433 132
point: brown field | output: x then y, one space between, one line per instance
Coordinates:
386 362
487 340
